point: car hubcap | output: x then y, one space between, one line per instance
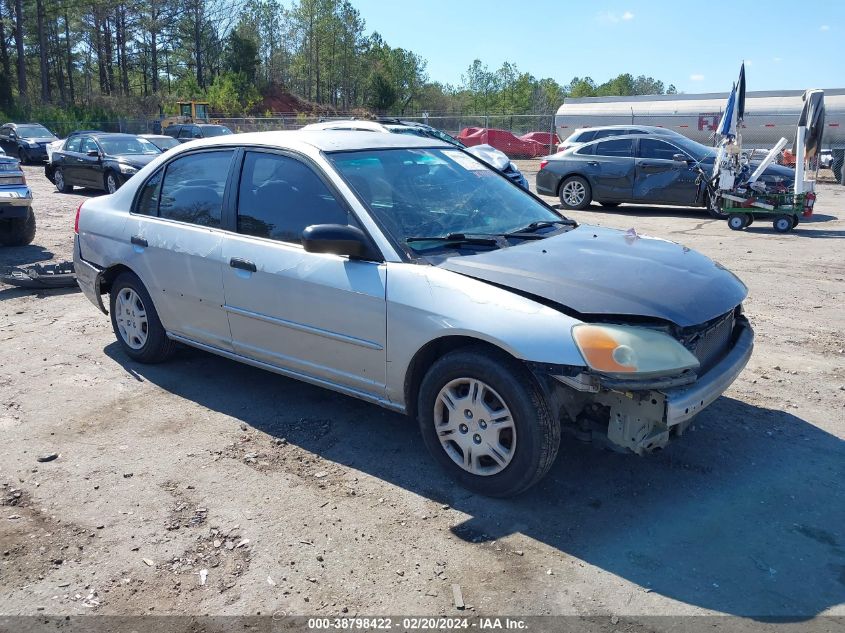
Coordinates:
60 180
131 317
111 184
573 193
475 426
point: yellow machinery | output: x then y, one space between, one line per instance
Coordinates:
189 112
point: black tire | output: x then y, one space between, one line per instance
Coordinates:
59 181
749 220
737 221
537 431
111 181
157 347
18 231
23 156
572 202
795 220
713 210
609 205
782 223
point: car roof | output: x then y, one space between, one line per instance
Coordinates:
113 135
323 140
160 136
362 124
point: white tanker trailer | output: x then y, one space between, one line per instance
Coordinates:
769 115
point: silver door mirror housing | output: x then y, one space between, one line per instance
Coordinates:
338 239
680 158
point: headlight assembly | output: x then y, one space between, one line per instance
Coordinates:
127 169
631 351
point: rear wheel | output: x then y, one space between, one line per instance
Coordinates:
783 223
484 419
736 221
575 193
135 321
59 178
18 231
795 220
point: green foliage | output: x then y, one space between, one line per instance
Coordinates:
233 93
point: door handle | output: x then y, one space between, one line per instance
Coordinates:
593 163
243 264
137 240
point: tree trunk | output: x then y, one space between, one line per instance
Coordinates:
154 15
19 47
101 57
121 30
46 94
198 41
69 59
109 50
6 78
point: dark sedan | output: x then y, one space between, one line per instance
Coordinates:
26 141
637 169
184 132
100 161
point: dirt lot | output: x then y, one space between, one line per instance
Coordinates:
299 500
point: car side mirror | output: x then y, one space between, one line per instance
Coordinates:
12 135
681 158
92 153
338 239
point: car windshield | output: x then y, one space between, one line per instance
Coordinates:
128 145
696 150
33 131
442 194
215 130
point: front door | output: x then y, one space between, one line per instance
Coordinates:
176 236
660 179
89 169
319 315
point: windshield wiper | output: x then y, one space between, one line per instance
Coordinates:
528 231
456 238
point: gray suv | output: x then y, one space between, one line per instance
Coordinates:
406 272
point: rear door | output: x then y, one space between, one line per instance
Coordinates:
320 315
659 179
176 234
610 168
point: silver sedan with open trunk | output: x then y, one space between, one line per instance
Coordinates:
406 272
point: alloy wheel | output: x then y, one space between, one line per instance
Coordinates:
573 193
131 317
475 426
111 183
60 180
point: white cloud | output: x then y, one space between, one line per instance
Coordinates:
824 27
748 62
611 17
696 77
777 60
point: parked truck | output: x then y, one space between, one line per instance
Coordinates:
769 115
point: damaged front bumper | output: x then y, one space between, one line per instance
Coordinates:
644 418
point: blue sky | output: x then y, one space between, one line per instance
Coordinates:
787 44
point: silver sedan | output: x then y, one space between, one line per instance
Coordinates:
406 272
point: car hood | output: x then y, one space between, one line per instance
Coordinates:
598 271
489 155
136 160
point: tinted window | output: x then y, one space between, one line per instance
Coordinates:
213 130
88 144
583 137
148 199
33 131
172 130
187 132
606 133
585 150
615 147
652 148
127 145
73 144
279 197
193 186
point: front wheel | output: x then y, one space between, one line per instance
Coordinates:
486 422
737 221
713 207
575 193
783 223
23 156
112 182
135 321
18 231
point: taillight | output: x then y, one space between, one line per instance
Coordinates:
562 148
543 164
76 221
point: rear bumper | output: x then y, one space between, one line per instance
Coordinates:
547 183
88 276
14 201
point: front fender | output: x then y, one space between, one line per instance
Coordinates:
425 303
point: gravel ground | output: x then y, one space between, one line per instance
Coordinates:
299 500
